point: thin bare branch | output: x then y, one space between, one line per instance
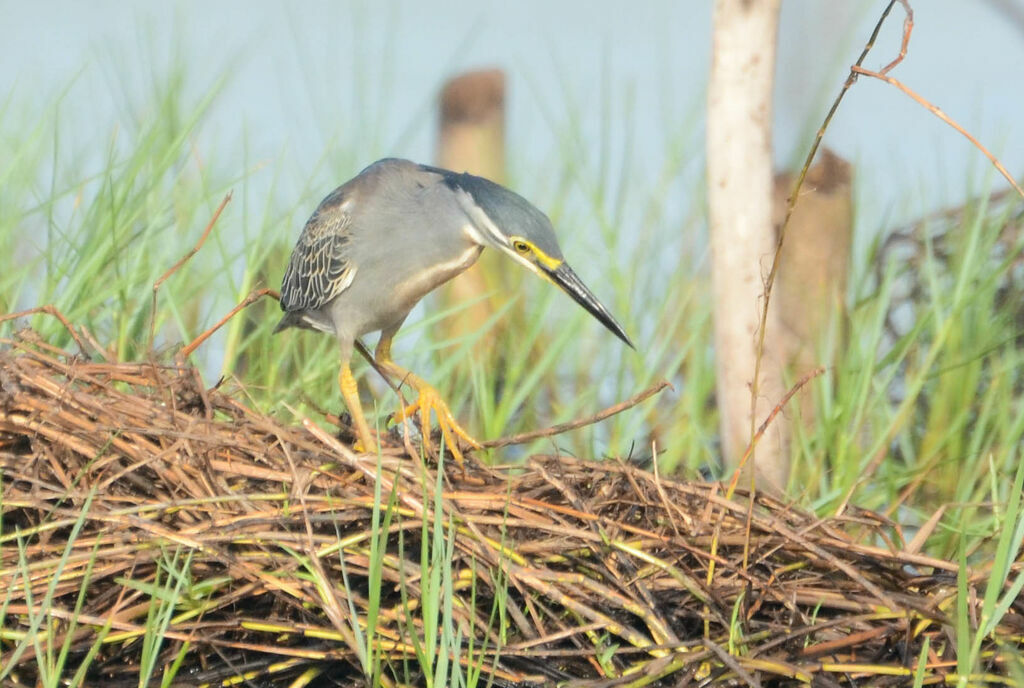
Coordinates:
795 194
184 259
523 437
51 310
920 100
252 298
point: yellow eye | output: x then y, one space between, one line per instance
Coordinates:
521 246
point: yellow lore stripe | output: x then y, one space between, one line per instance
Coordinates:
545 260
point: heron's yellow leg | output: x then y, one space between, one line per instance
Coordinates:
350 392
428 399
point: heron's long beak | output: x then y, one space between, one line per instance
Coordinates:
569 281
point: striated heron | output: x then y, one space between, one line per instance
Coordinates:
383 240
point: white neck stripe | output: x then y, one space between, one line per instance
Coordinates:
479 220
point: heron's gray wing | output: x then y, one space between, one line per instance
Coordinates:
320 268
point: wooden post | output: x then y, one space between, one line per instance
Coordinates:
472 139
813 266
472 136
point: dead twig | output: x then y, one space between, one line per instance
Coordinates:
184 259
798 185
767 422
524 437
920 100
51 310
908 27
730 491
252 298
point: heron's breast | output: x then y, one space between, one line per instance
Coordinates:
416 286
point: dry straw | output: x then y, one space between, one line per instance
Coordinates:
116 473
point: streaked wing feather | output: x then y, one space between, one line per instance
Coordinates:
319 268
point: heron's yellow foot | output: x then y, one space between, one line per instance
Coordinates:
350 393
429 399
367 446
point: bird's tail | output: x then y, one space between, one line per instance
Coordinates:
289 319
305 320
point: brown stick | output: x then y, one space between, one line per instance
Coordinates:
944 117
184 259
768 421
524 437
49 309
252 298
908 27
743 461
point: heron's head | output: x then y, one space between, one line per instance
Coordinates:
504 220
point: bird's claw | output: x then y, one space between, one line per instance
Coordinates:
428 399
369 446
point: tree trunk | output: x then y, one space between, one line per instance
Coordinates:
739 159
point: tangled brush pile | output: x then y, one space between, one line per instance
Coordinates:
154 527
